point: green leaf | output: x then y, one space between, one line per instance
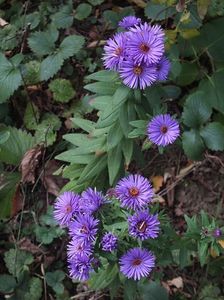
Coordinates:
94 168
127 114
103 278
85 124
83 10
69 156
101 88
96 2
42 43
103 76
7 283
8 37
153 291
159 11
213 89
114 163
10 78
63 18
34 289
31 116
192 144
71 45
31 72
54 279
13 150
196 110
46 235
48 219
8 185
130 289
113 17
62 90
188 73
202 7
203 252
17 261
114 136
127 149
213 136
4 136
50 66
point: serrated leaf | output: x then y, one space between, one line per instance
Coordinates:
7 283
63 18
83 10
34 289
10 78
196 110
15 147
213 136
46 235
193 144
50 66
71 45
114 160
17 261
31 72
62 89
42 42
54 279
4 136
158 11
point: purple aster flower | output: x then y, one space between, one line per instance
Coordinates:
65 206
92 200
76 247
134 191
114 51
154 29
137 75
163 68
145 47
129 21
109 242
137 263
84 228
217 233
142 225
80 267
163 130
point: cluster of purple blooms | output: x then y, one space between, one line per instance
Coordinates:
137 53
78 214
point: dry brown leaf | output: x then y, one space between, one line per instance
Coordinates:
157 182
177 282
17 201
3 22
221 243
139 3
158 199
52 183
213 253
26 245
95 44
29 164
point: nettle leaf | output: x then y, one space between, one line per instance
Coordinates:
63 18
83 10
70 46
213 136
62 89
54 280
13 150
7 283
193 144
159 11
17 261
196 110
42 42
10 78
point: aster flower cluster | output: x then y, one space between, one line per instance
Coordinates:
137 53
81 215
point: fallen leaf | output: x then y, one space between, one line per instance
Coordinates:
139 3
29 164
158 199
177 282
95 44
221 243
157 182
17 201
26 245
52 183
3 22
213 253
